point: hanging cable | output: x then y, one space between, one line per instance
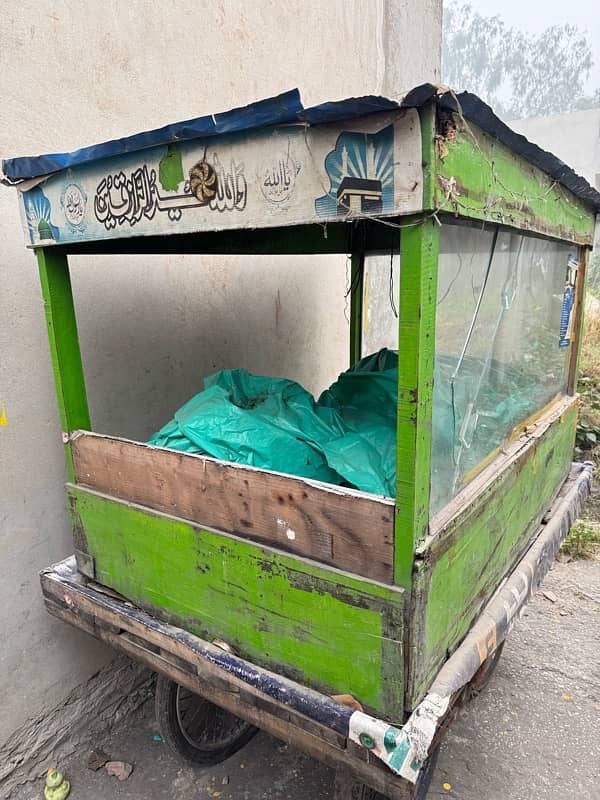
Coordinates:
392 297
478 306
453 281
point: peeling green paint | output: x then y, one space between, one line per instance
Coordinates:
461 568
330 630
476 176
419 248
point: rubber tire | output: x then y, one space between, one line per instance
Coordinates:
362 792
426 776
165 704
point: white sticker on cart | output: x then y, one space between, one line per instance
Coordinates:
405 749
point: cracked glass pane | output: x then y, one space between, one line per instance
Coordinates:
499 354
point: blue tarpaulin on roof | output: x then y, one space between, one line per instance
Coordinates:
280 110
276 110
287 108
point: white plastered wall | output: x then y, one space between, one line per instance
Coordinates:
73 73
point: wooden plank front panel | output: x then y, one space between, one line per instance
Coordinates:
462 564
350 530
324 628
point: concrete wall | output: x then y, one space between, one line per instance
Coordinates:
573 137
72 73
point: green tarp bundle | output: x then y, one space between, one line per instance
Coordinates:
348 436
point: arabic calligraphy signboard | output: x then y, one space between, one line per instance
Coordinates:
275 176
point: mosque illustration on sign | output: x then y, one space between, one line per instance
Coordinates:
361 174
359 195
38 215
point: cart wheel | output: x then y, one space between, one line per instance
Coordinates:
196 729
482 677
425 776
348 789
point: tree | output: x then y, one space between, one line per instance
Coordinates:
517 73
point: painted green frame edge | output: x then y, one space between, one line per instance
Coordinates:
63 339
419 248
578 325
476 177
419 251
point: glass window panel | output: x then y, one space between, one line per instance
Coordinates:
498 359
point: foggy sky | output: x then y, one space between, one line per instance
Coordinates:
534 16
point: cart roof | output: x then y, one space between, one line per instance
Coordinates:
287 108
275 165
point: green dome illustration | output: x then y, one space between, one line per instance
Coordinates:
44 230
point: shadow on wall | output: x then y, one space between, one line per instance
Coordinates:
145 352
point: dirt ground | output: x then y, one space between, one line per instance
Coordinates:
534 734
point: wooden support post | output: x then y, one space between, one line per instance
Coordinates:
356 305
419 247
578 312
64 344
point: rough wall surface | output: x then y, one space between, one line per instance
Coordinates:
573 137
76 73
101 701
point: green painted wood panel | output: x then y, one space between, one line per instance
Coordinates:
327 629
478 177
64 344
427 117
460 568
419 246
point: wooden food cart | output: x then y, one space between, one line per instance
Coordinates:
349 622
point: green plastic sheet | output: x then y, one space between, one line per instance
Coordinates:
348 436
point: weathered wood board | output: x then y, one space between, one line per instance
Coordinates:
474 175
172 652
416 343
347 529
322 627
469 552
275 176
